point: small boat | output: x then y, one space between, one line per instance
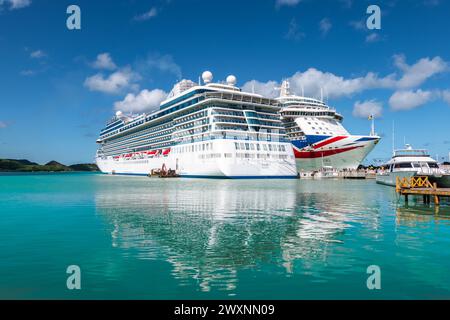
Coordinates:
306 174
326 172
409 162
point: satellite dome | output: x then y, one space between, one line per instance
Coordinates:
231 80
118 113
207 76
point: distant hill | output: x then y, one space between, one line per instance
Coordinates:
12 165
24 162
84 167
53 163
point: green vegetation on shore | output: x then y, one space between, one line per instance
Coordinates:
13 165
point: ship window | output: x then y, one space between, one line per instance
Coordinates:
236 145
432 165
403 165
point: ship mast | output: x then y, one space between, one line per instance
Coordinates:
393 137
285 89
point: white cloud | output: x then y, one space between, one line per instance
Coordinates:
144 101
416 74
335 86
115 83
446 96
290 3
27 73
294 32
367 108
3 125
267 89
104 61
325 26
164 63
38 54
359 25
312 80
153 12
373 37
15 4
409 99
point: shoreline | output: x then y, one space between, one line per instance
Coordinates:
10 173
26 166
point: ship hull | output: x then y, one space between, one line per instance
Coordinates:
390 178
339 152
223 162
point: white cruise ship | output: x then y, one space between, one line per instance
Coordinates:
201 130
318 137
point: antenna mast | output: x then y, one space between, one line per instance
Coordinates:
393 137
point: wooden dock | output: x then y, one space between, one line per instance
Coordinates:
420 186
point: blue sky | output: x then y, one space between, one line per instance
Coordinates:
59 86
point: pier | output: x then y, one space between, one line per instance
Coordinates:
420 186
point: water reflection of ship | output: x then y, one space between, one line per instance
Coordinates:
324 219
210 232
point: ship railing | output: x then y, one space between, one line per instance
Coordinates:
429 171
412 182
240 98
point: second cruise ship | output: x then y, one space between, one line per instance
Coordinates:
201 130
318 137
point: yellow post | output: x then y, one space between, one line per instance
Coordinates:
436 200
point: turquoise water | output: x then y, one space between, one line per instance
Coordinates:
141 238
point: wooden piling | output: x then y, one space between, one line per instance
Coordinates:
421 186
